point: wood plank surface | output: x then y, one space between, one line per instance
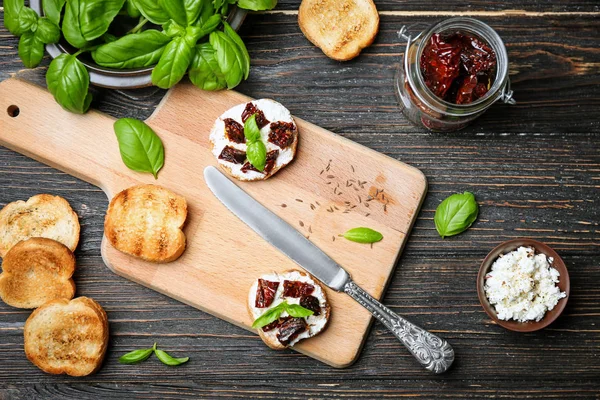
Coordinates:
534 168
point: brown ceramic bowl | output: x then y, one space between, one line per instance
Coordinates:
564 285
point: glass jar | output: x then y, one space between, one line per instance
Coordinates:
420 105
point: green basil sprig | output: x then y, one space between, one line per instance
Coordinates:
52 9
68 81
272 314
12 10
31 49
204 71
456 214
363 235
132 51
167 359
257 5
141 149
138 356
256 151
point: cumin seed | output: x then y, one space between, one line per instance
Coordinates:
299 201
301 223
330 176
352 166
312 206
336 208
321 173
310 229
333 238
317 203
367 214
284 205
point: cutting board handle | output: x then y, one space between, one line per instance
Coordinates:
32 123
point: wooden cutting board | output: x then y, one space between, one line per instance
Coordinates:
322 193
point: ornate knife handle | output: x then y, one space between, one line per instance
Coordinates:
433 352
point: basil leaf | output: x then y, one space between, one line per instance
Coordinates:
175 10
269 316
152 11
257 154
363 235
204 71
165 358
136 356
207 11
456 214
257 5
31 49
241 47
71 25
132 51
173 29
132 10
141 149
251 130
210 24
68 81
173 63
28 20
297 311
52 9
226 54
95 16
12 9
47 31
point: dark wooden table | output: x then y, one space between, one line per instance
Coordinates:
534 168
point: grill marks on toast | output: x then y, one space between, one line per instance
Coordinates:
67 337
35 271
145 221
42 215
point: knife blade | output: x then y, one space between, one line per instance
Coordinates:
431 351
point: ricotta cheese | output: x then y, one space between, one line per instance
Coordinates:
316 323
521 285
274 112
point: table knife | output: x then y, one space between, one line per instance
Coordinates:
433 352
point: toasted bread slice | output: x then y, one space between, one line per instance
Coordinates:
67 337
315 323
42 215
36 271
340 28
145 221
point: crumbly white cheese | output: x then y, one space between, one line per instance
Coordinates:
316 323
274 112
522 285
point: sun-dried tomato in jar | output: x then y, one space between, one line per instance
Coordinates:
458 67
451 73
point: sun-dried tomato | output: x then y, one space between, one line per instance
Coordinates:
275 324
282 133
458 68
265 293
233 155
269 164
251 109
297 288
290 330
234 131
311 303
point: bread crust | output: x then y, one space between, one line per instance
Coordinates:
67 337
341 29
42 215
36 271
275 344
146 221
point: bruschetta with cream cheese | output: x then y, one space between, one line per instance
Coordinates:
294 288
278 132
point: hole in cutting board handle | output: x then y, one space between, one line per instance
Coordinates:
13 111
